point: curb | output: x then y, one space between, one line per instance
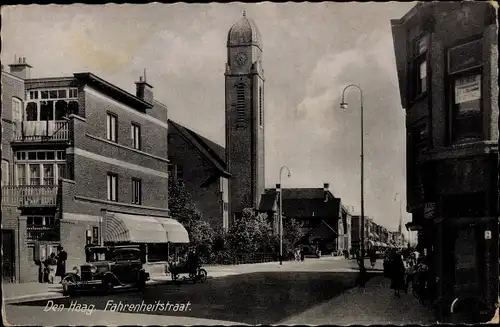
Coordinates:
34 297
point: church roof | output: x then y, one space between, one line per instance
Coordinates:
208 149
244 32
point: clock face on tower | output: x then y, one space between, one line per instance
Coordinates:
241 59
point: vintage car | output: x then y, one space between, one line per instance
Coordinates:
107 268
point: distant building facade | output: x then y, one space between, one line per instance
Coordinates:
447 63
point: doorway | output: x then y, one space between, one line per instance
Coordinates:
8 258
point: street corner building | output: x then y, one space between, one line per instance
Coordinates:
447 64
83 162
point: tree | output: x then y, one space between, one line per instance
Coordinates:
180 202
182 207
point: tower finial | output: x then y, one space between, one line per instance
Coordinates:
244 13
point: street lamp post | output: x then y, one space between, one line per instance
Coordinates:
281 211
343 105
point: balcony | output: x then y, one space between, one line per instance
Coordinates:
40 131
42 233
30 195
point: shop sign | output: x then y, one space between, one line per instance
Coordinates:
487 235
465 56
468 89
423 44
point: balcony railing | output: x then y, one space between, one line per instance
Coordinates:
42 233
35 131
29 195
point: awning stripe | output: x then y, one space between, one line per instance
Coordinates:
133 228
175 232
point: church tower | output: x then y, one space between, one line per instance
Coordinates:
244 79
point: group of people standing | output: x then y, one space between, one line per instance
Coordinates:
55 265
405 271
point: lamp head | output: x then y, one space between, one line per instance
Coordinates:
343 105
289 175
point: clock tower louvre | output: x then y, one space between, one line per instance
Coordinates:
244 91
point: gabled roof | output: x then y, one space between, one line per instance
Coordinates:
302 203
208 149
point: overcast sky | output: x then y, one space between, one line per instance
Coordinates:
311 51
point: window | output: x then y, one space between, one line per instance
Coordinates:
418 62
465 100
17 110
5 172
225 206
261 108
135 132
112 187
136 191
179 171
39 167
34 177
33 95
240 106
112 127
170 170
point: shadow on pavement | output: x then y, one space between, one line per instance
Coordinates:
256 298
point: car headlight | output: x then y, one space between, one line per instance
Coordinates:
93 269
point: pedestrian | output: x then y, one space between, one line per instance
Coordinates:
62 256
397 274
302 255
373 258
409 274
51 266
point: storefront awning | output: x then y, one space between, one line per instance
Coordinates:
371 242
176 233
133 228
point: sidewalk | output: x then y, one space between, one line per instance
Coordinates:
375 304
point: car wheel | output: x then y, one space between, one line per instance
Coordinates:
202 275
107 284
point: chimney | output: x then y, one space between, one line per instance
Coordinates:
325 190
144 91
20 68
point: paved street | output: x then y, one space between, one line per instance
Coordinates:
249 294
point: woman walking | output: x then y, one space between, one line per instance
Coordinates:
397 274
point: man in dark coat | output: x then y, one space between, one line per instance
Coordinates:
62 256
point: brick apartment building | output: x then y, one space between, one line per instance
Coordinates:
199 163
447 63
86 163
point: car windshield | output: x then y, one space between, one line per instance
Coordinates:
126 254
97 254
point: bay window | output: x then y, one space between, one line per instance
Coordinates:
39 167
